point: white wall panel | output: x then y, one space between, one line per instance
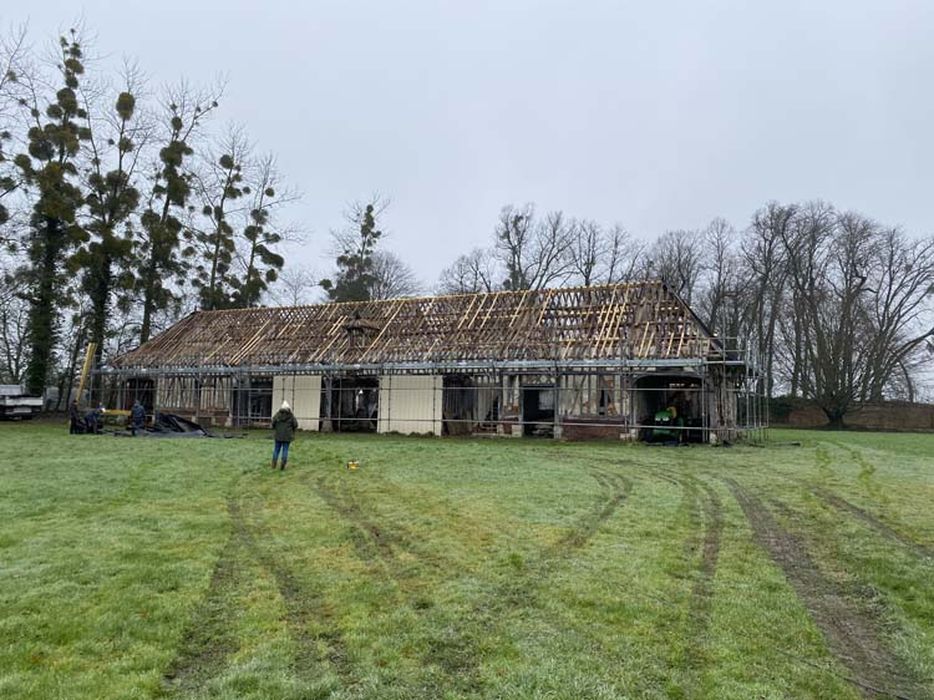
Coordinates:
303 392
410 404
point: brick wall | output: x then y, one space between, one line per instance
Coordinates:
888 415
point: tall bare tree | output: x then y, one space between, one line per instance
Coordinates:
355 246
534 252
901 310
14 318
765 264
259 235
473 272
677 259
13 67
625 256
117 138
295 286
722 299
588 252
392 277
829 259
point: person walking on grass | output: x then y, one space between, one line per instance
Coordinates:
283 426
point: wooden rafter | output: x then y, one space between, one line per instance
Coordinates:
643 320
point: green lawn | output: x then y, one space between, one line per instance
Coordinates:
447 568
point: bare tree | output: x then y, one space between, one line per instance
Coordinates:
534 253
295 287
765 261
721 302
588 252
13 68
392 278
471 273
14 316
160 260
625 256
354 247
901 310
830 256
677 259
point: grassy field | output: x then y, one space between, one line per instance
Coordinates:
452 568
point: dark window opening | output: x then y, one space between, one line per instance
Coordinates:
252 401
351 404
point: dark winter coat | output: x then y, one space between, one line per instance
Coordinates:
284 425
138 415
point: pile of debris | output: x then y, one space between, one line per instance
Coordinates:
169 424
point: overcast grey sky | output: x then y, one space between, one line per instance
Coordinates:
658 115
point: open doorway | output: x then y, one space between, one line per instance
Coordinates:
538 411
352 403
669 408
459 406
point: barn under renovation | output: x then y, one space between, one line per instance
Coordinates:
624 361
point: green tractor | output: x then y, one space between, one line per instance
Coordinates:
668 426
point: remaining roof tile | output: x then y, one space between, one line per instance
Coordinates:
638 320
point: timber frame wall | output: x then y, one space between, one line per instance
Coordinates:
594 348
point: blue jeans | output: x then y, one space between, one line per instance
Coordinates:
284 446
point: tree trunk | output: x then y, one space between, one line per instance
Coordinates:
100 296
42 314
149 301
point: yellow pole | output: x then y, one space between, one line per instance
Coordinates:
88 362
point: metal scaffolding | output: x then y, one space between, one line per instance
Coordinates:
600 361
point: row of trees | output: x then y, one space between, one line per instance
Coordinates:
120 209
839 308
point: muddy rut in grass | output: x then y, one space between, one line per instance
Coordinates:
872 522
522 588
701 554
457 650
851 634
309 618
209 641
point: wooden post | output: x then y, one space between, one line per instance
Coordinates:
86 369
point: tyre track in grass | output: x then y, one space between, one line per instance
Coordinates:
308 618
380 542
706 517
868 519
208 641
459 654
851 634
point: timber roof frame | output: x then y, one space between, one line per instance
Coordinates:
632 324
